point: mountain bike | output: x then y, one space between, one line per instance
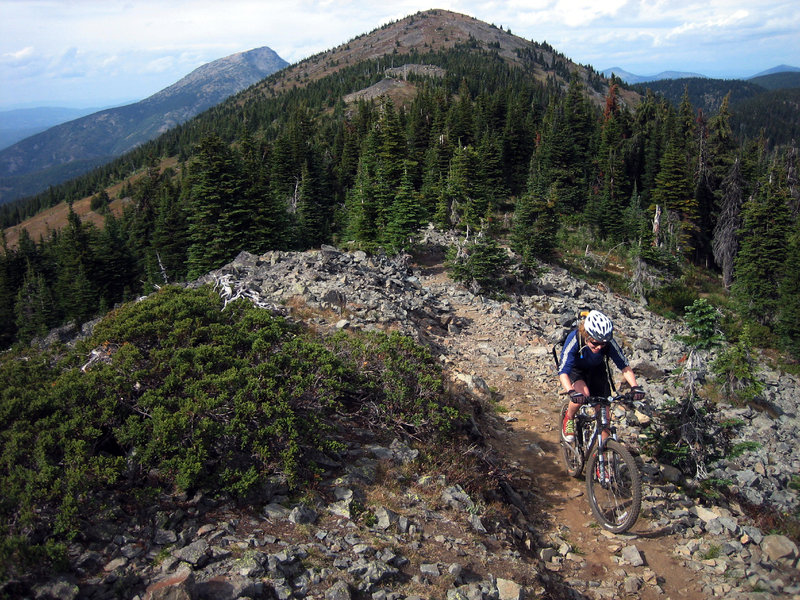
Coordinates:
613 480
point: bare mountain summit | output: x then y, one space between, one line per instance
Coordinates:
72 148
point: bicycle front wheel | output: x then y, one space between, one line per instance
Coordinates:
615 488
571 454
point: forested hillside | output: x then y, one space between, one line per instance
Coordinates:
703 93
75 147
505 137
762 107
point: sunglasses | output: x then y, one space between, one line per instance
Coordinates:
595 343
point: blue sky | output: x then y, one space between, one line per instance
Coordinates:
93 53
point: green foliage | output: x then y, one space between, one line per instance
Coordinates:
481 264
672 299
713 551
686 434
702 319
742 447
736 371
183 394
536 226
761 261
788 325
457 150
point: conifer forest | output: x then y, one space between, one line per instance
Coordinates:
548 167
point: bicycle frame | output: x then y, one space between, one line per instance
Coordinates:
612 478
600 421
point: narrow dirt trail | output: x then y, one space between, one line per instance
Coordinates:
531 407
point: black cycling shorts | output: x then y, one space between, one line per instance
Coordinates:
596 380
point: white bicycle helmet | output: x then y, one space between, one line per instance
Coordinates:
598 326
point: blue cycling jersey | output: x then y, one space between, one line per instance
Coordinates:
573 355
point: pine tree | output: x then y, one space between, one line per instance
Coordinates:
536 222
406 216
312 224
215 188
674 194
761 262
788 325
33 307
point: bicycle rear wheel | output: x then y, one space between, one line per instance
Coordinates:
570 453
616 498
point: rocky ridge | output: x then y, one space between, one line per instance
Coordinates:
372 536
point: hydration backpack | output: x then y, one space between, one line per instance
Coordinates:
568 328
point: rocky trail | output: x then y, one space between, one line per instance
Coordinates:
375 529
518 368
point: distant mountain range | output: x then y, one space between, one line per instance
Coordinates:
765 105
631 78
17 124
628 77
72 148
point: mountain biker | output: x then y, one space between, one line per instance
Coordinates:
582 371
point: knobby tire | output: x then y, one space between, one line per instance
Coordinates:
570 453
617 501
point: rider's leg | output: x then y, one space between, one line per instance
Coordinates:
580 387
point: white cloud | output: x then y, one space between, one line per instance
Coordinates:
19 56
159 65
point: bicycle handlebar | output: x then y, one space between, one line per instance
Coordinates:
592 400
606 399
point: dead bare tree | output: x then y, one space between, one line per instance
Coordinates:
725 243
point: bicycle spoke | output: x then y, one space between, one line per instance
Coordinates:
614 493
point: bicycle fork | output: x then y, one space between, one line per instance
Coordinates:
604 470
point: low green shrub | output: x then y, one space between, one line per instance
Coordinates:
736 372
481 264
672 299
183 394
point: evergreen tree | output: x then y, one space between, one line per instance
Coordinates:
536 223
647 142
721 142
140 220
611 195
171 238
491 182
361 207
406 216
215 188
761 261
8 288
788 326
392 152
674 194
76 296
33 307
464 203
312 223
460 121
114 265
517 145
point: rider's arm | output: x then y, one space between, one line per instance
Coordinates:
566 382
629 376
